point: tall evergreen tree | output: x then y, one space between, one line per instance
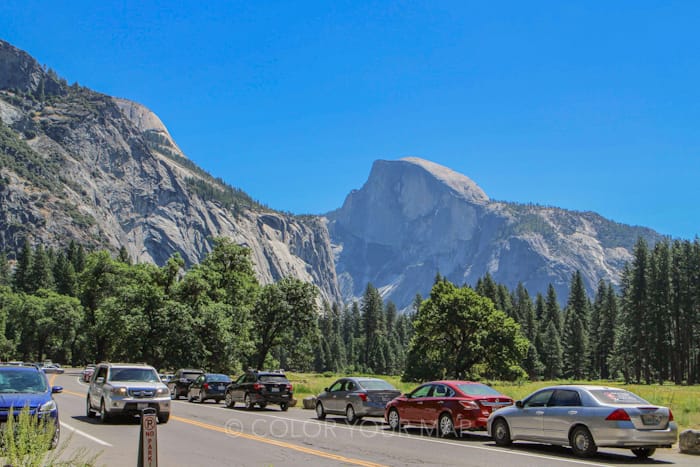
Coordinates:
5 277
552 310
21 278
575 333
64 275
552 353
374 330
41 274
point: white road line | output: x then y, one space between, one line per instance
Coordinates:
82 433
383 432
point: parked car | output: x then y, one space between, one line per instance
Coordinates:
208 386
180 382
261 388
88 371
450 406
166 377
52 368
22 386
586 418
126 389
355 398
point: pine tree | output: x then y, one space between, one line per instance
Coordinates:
552 310
657 328
64 276
21 278
5 278
374 330
552 354
575 333
40 275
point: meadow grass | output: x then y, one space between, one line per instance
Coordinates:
684 401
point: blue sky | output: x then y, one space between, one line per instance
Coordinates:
582 105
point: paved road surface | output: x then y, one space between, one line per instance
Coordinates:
210 434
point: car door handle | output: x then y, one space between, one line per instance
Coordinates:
441 402
572 412
539 412
420 403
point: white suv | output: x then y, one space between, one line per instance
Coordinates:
126 388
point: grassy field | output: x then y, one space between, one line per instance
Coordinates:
684 401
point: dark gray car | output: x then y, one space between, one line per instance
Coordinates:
355 397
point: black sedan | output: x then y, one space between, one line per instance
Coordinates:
208 386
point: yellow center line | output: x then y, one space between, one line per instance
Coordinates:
283 444
65 391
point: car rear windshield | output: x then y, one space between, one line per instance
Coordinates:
478 390
190 375
218 378
22 381
134 374
617 396
376 384
273 379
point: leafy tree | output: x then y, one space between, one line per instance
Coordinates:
455 330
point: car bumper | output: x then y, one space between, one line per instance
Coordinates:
271 398
134 406
370 409
625 435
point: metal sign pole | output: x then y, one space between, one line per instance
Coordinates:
148 439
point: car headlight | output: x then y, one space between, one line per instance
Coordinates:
162 391
119 391
49 406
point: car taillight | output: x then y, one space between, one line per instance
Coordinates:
670 415
206 386
257 386
362 396
289 387
469 405
618 415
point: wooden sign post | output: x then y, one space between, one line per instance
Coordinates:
148 441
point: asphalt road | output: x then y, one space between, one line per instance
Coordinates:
210 434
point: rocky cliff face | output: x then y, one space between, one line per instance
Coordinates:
76 164
413 219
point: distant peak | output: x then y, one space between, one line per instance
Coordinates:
457 181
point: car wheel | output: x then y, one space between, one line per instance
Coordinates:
643 453
104 415
501 432
320 412
394 420
284 406
88 409
350 415
190 397
445 426
201 398
56 436
582 442
230 403
248 402
163 417
262 405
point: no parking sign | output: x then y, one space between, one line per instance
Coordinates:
148 441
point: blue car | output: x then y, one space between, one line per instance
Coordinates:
22 386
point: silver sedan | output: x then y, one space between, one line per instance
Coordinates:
586 417
355 397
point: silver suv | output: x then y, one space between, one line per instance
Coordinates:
126 389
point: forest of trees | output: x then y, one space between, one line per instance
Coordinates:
75 307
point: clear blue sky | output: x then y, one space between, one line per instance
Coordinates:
582 105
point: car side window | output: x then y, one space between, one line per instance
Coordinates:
101 373
337 386
441 390
540 399
422 391
241 379
350 386
565 398
250 378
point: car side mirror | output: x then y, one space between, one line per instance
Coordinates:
100 380
56 389
325 389
519 404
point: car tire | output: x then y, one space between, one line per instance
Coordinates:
88 409
163 417
56 437
248 402
394 420
201 398
643 453
228 401
190 397
582 443
446 427
320 411
104 415
284 406
501 432
262 405
350 415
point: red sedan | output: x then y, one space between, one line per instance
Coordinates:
450 406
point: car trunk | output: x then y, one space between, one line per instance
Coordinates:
649 418
491 403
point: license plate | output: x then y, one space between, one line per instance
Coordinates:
142 405
275 390
221 387
650 419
